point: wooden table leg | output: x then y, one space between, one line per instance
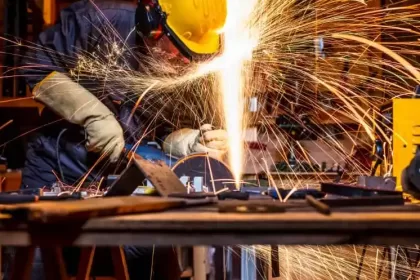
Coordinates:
200 262
54 266
22 263
120 265
219 260
275 262
1 262
85 263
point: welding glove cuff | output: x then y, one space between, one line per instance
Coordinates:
77 105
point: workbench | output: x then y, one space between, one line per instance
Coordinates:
204 225
385 225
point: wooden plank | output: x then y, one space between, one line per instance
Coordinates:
163 237
25 102
12 181
193 227
85 263
211 220
173 220
66 211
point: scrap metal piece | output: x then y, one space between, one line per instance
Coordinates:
380 200
352 191
318 205
163 179
385 183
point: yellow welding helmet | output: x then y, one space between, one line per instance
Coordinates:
195 23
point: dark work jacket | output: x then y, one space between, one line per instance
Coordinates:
82 28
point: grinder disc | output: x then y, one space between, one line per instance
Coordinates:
201 169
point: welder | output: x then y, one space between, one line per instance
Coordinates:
83 124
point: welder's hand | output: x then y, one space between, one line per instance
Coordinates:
187 141
105 136
77 105
213 142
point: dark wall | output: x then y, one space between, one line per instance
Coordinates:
13 138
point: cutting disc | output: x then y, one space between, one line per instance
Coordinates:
204 173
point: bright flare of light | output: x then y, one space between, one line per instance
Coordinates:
239 40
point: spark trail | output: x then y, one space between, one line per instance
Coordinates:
341 262
239 41
277 46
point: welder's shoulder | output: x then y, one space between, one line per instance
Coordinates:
114 12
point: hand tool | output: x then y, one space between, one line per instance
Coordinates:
318 205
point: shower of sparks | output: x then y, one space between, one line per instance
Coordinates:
239 41
340 262
324 60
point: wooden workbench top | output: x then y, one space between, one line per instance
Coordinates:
195 227
209 221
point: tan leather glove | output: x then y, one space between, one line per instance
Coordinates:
187 141
77 105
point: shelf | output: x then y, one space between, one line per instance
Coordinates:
23 102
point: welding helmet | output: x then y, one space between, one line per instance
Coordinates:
191 25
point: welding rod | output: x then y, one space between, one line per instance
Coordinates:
318 205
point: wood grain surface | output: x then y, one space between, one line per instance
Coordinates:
66 211
202 227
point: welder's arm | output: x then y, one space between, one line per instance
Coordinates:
188 141
77 105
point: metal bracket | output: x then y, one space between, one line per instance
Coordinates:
163 179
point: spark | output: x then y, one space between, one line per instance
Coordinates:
239 40
5 124
339 262
394 55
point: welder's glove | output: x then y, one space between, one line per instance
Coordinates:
77 105
187 141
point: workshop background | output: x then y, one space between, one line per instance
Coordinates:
25 19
